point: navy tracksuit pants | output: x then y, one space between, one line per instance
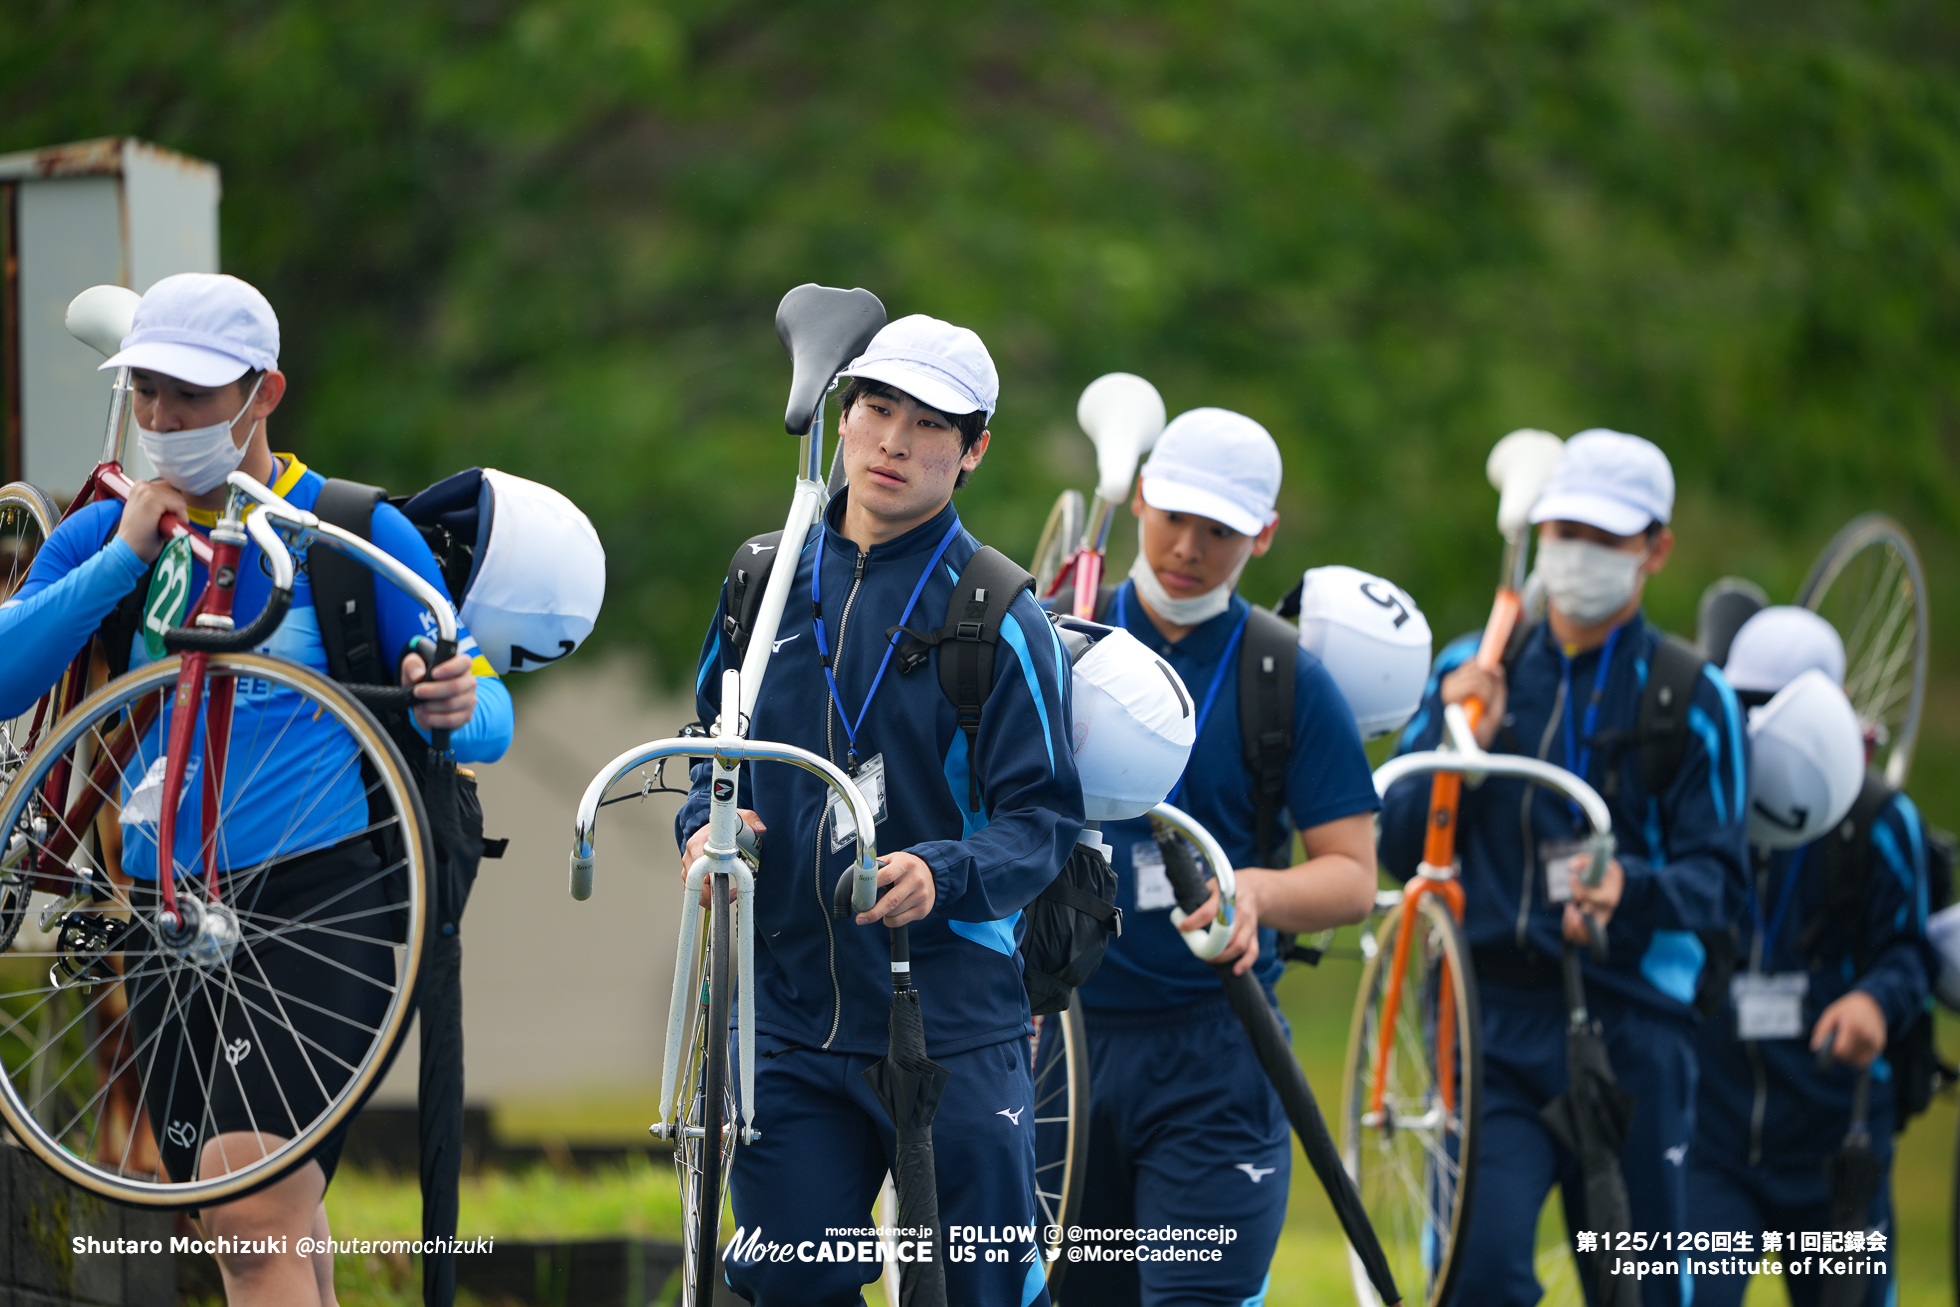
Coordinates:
1730 1196
1185 1130
825 1148
1518 1160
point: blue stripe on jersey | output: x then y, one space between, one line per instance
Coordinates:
1010 630
1733 712
1711 739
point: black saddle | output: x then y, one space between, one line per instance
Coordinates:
823 328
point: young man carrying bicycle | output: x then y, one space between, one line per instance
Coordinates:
1185 1130
1572 695
1832 953
913 427
203 354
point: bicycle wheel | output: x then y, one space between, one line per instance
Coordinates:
706 1146
27 519
254 1028
1059 1059
1415 1161
1061 536
1869 585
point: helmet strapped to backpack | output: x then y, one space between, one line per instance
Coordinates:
1807 762
537 572
1133 726
1372 639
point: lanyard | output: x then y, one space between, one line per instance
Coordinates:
891 642
1767 934
1225 662
1578 761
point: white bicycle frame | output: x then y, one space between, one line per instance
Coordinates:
727 751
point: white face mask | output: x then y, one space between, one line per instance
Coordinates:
1181 612
199 459
1587 582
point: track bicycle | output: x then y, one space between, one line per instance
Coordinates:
189 1003
1415 1057
1122 414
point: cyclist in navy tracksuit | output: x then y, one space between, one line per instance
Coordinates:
1574 689
1767 1118
886 555
1185 1130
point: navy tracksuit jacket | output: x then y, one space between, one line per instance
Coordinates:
1186 1132
1766 1117
823 985
1684 854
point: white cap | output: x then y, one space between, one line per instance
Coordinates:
201 327
1134 725
1608 479
1373 641
1806 763
1778 645
1217 464
942 366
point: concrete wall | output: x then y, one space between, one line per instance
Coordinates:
559 996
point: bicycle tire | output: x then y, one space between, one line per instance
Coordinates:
704 1158
110 951
1060 1073
1422 1233
27 518
1060 537
1870 601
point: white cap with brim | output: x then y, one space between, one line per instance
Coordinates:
1217 464
1610 480
201 327
942 366
1778 645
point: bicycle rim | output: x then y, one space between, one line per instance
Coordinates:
1868 583
706 1146
251 1039
1059 1060
1061 536
1415 1166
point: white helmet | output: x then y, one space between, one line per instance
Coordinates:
1943 932
537 569
1134 723
1372 639
1807 762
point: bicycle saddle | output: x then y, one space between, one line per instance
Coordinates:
100 316
1122 414
823 329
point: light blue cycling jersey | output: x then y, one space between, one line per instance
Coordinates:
292 778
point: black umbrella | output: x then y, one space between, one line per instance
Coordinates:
1275 1054
910 1084
1591 1119
1855 1175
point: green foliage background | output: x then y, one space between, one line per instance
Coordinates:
550 236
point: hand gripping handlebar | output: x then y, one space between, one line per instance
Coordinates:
727 751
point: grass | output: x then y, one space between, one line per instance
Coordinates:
1310 1266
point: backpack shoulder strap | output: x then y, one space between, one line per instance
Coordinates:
1847 855
1267 660
123 623
986 590
343 590
748 575
1662 726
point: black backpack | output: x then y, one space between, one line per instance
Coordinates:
1917 1071
1070 924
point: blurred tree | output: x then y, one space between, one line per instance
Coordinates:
549 236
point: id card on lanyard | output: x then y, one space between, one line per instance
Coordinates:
870 776
1769 1005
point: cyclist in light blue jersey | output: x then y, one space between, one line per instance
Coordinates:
203 355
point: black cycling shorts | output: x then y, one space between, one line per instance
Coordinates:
265 1043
